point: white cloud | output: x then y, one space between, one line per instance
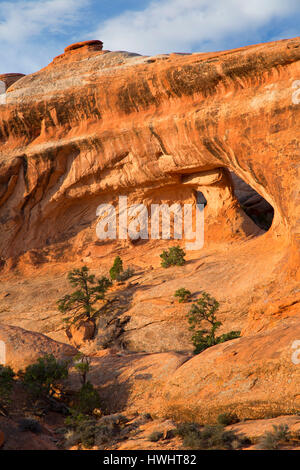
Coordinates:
24 23
32 32
183 25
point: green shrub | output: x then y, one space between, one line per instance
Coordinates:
205 311
88 399
88 432
209 437
83 434
124 275
82 366
173 257
109 428
6 384
116 269
41 378
271 439
75 419
183 295
225 419
228 336
81 429
80 303
155 436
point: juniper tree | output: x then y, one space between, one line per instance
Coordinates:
80 304
205 311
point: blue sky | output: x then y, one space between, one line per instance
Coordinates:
32 32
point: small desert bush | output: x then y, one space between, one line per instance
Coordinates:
183 295
209 437
82 366
88 399
116 269
126 274
42 377
117 272
225 419
173 257
83 433
6 384
271 439
109 428
155 436
89 432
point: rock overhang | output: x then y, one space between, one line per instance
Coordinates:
161 116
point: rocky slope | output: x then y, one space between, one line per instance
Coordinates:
94 125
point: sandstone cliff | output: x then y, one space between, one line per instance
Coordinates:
96 124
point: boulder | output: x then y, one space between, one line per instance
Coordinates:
252 376
23 347
78 334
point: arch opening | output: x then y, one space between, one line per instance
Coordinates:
201 199
252 203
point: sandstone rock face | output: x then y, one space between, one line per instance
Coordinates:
6 80
94 125
9 78
118 122
132 381
24 347
92 45
252 376
257 428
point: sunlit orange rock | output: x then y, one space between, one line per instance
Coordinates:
79 133
96 124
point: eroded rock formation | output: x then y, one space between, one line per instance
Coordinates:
6 80
24 347
96 124
79 132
